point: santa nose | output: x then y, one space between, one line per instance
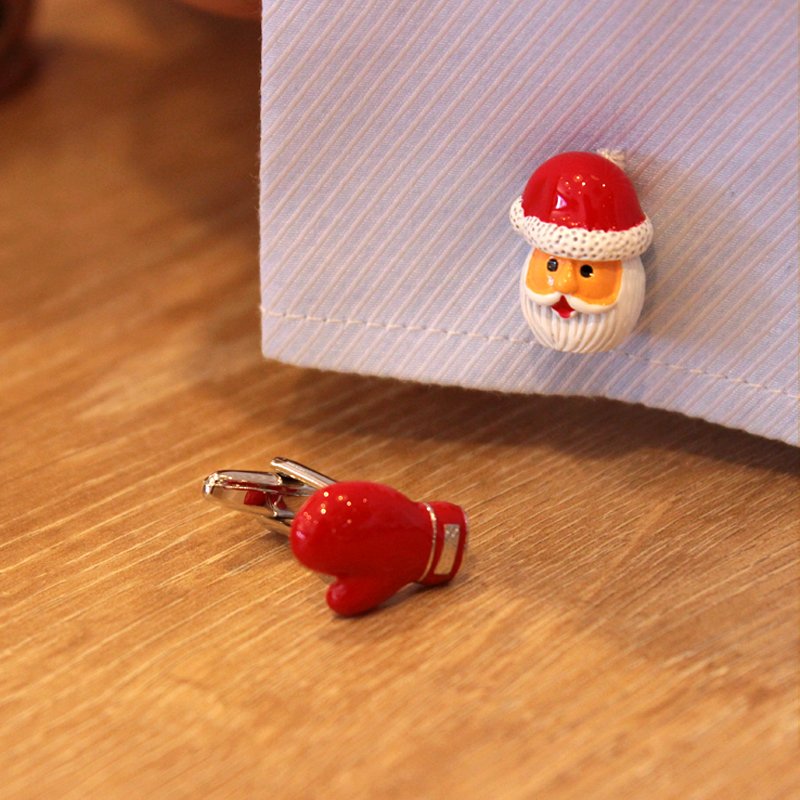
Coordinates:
566 280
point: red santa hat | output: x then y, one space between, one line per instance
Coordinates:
583 205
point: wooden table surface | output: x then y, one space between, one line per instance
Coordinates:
625 625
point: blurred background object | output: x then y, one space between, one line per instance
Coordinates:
17 56
235 8
16 53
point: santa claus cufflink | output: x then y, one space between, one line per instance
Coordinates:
371 539
582 285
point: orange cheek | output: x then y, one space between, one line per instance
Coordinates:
538 278
600 288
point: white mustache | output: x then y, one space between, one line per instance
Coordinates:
593 331
551 298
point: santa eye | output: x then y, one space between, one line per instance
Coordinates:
552 265
587 271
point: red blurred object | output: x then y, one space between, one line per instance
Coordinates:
16 54
374 541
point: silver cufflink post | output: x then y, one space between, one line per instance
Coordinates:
274 496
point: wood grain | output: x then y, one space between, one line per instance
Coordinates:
626 624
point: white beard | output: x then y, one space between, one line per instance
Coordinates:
587 332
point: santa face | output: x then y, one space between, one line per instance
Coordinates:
580 306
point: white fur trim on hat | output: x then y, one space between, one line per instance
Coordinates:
559 240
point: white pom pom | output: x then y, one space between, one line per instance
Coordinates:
615 156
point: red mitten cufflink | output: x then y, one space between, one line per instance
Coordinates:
370 538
